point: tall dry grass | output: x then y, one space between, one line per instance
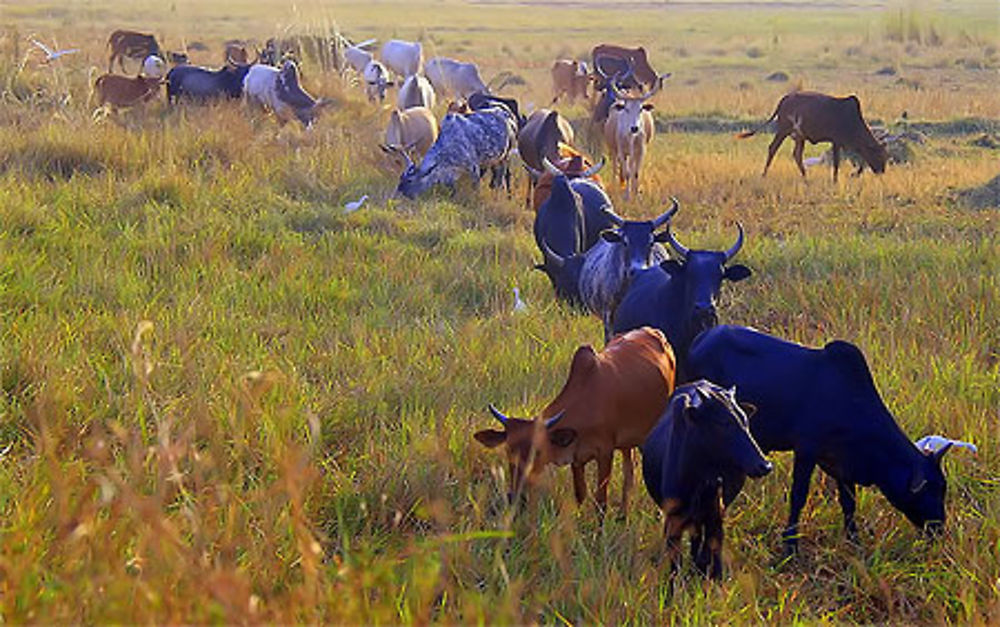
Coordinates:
223 400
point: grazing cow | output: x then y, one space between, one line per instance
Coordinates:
128 43
568 224
609 60
694 464
540 138
280 91
627 131
235 54
679 296
415 92
823 405
467 143
610 401
120 92
411 131
449 76
376 80
403 57
807 115
200 84
570 78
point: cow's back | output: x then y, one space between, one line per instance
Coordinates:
638 371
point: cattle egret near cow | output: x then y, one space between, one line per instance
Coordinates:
519 305
51 55
354 205
934 443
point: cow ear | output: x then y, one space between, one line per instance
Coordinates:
661 237
647 106
917 480
562 437
671 266
736 272
611 235
490 438
941 451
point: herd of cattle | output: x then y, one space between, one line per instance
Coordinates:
704 401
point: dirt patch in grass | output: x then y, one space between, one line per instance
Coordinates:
983 197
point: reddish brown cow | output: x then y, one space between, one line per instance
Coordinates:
610 401
610 60
123 91
571 78
129 43
807 115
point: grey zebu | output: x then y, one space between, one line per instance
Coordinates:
467 143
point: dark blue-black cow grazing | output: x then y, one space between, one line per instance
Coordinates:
201 84
823 405
568 223
694 463
679 296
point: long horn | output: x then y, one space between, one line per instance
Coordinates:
532 171
614 217
551 169
738 245
551 255
660 221
677 246
551 422
498 415
593 170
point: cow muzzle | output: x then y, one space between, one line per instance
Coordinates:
704 318
634 130
761 469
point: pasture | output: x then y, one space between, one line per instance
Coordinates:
222 399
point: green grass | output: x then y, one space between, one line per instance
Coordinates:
227 401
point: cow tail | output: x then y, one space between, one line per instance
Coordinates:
745 134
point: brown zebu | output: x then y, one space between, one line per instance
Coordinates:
808 115
131 44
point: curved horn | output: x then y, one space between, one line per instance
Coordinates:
616 219
532 171
677 246
550 168
498 415
551 422
593 170
669 213
738 245
551 255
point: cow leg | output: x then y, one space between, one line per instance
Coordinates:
604 462
800 146
628 470
111 61
579 483
848 504
673 530
772 150
801 475
836 161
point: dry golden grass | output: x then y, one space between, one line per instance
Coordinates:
223 400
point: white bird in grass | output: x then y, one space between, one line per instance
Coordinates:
354 205
934 443
519 305
51 55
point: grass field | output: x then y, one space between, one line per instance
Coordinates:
223 400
